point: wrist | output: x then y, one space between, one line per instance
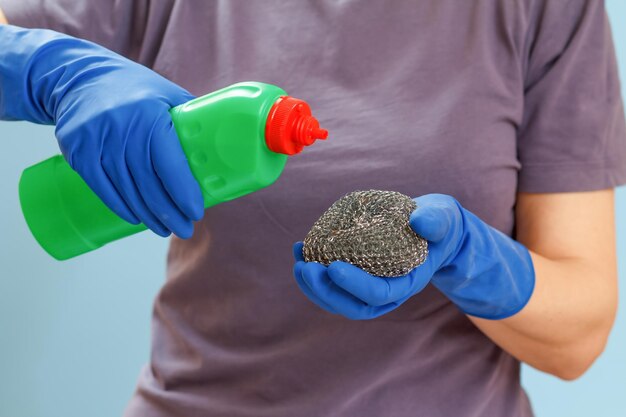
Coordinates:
23 53
488 274
40 67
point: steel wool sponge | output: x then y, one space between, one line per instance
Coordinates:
369 229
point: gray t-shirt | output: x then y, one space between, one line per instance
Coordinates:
477 99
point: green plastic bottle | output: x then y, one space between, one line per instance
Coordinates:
236 141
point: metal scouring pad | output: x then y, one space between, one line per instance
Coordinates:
369 229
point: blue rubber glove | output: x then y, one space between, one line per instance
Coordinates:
481 270
112 123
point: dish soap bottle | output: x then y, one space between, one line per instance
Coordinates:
236 141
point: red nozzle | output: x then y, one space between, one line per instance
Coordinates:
290 126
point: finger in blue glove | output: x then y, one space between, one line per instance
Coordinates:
484 272
112 123
343 288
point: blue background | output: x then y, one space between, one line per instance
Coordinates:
74 335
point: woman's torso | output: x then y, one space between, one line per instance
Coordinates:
419 97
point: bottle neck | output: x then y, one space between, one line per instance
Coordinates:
290 126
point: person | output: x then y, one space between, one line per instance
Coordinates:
503 119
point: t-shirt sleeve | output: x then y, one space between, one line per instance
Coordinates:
573 133
133 28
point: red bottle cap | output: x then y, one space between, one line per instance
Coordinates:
290 126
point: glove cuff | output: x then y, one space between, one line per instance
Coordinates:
491 275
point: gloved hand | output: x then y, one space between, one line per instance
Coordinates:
481 270
112 123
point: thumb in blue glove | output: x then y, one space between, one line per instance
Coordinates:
112 123
484 272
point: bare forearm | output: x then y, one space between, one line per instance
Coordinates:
565 325
3 19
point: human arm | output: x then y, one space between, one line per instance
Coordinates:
112 123
487 274
570 141
565 325
3 19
